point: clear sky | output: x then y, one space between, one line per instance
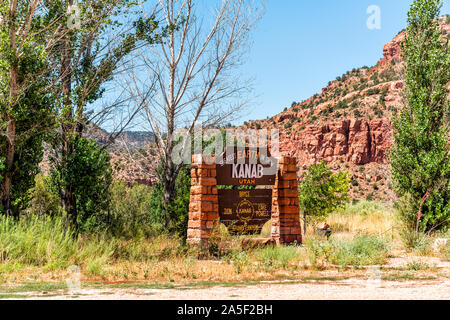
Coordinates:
300 45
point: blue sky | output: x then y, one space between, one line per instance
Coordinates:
300 45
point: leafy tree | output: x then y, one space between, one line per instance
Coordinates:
85 58
87 173
322 191
25 104
420 156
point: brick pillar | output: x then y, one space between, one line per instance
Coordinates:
204 202
285 205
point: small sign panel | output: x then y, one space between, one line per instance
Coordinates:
245 211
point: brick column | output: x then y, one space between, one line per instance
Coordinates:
285 205
204 202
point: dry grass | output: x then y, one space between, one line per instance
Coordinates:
369 218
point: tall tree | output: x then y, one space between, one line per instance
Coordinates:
420 157
25 105
97 36
195 72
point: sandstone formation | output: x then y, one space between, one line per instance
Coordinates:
354 140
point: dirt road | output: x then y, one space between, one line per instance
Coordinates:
343 290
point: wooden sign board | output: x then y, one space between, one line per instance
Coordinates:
245 211
246 169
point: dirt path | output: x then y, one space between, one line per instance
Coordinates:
349 289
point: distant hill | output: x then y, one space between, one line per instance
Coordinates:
127 140
133 154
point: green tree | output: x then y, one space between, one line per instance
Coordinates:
420 156
322 191
43 200
25 104
84 60
88 175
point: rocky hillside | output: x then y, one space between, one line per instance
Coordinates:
349 123
133 155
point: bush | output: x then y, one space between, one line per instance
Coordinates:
362 250
378 112
240 260
322 191
373 91
273 258
288 125
130 215
43 200
416 242
319 252
179 209
444 252
88 173
418 266
370 197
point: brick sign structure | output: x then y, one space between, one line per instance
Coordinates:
275 197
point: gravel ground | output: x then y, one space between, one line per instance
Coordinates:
345 290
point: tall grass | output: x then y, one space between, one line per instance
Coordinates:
45 242
277 257
365 217
362 250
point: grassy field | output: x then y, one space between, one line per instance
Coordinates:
38 252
